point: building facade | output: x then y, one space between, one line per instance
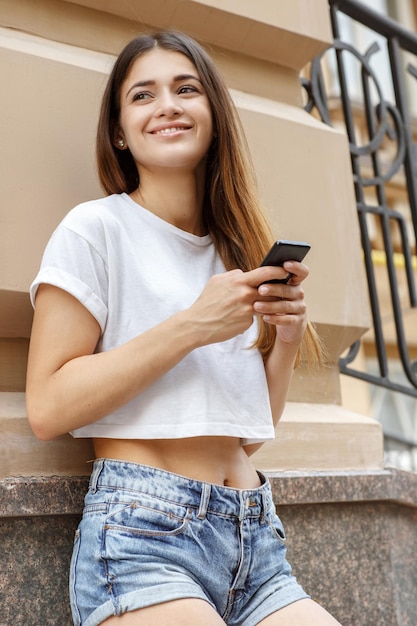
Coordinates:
54 57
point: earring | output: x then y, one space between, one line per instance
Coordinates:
121 143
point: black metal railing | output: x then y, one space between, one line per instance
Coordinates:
383 153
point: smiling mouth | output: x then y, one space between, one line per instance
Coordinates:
169 131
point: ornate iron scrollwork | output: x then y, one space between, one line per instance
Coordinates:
386 123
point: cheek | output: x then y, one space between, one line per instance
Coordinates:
122 124
206 118
208 130
131 121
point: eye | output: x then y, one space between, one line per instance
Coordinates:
185 89
141 95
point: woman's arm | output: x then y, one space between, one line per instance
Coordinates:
69 385
285 307
287 310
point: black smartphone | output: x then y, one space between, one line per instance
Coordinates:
285 250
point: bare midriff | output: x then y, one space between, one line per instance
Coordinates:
217 460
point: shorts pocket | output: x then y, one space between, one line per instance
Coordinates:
72 590
147 516
278 529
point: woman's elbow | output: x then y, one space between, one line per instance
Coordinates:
40 421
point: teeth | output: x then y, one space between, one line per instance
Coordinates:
168 131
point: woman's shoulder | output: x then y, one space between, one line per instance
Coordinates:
97 220
94 212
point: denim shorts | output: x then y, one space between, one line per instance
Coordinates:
148 536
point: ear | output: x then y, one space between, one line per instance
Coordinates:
119 140
120 144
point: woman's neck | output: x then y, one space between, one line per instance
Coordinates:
175 198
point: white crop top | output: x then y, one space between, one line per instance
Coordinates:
132 270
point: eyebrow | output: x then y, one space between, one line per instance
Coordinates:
177 79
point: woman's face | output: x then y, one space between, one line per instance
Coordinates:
165 115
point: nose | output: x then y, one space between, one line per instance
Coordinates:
169 105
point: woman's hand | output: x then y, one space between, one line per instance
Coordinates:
224 308
283 304
227 304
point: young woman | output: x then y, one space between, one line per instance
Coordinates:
156 335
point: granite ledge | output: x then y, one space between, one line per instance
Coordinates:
63 495
290 488
39 496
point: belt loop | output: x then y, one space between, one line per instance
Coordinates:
204 501
98 467
244 504
264 506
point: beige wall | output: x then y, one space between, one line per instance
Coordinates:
54 57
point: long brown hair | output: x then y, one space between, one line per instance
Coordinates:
231 208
